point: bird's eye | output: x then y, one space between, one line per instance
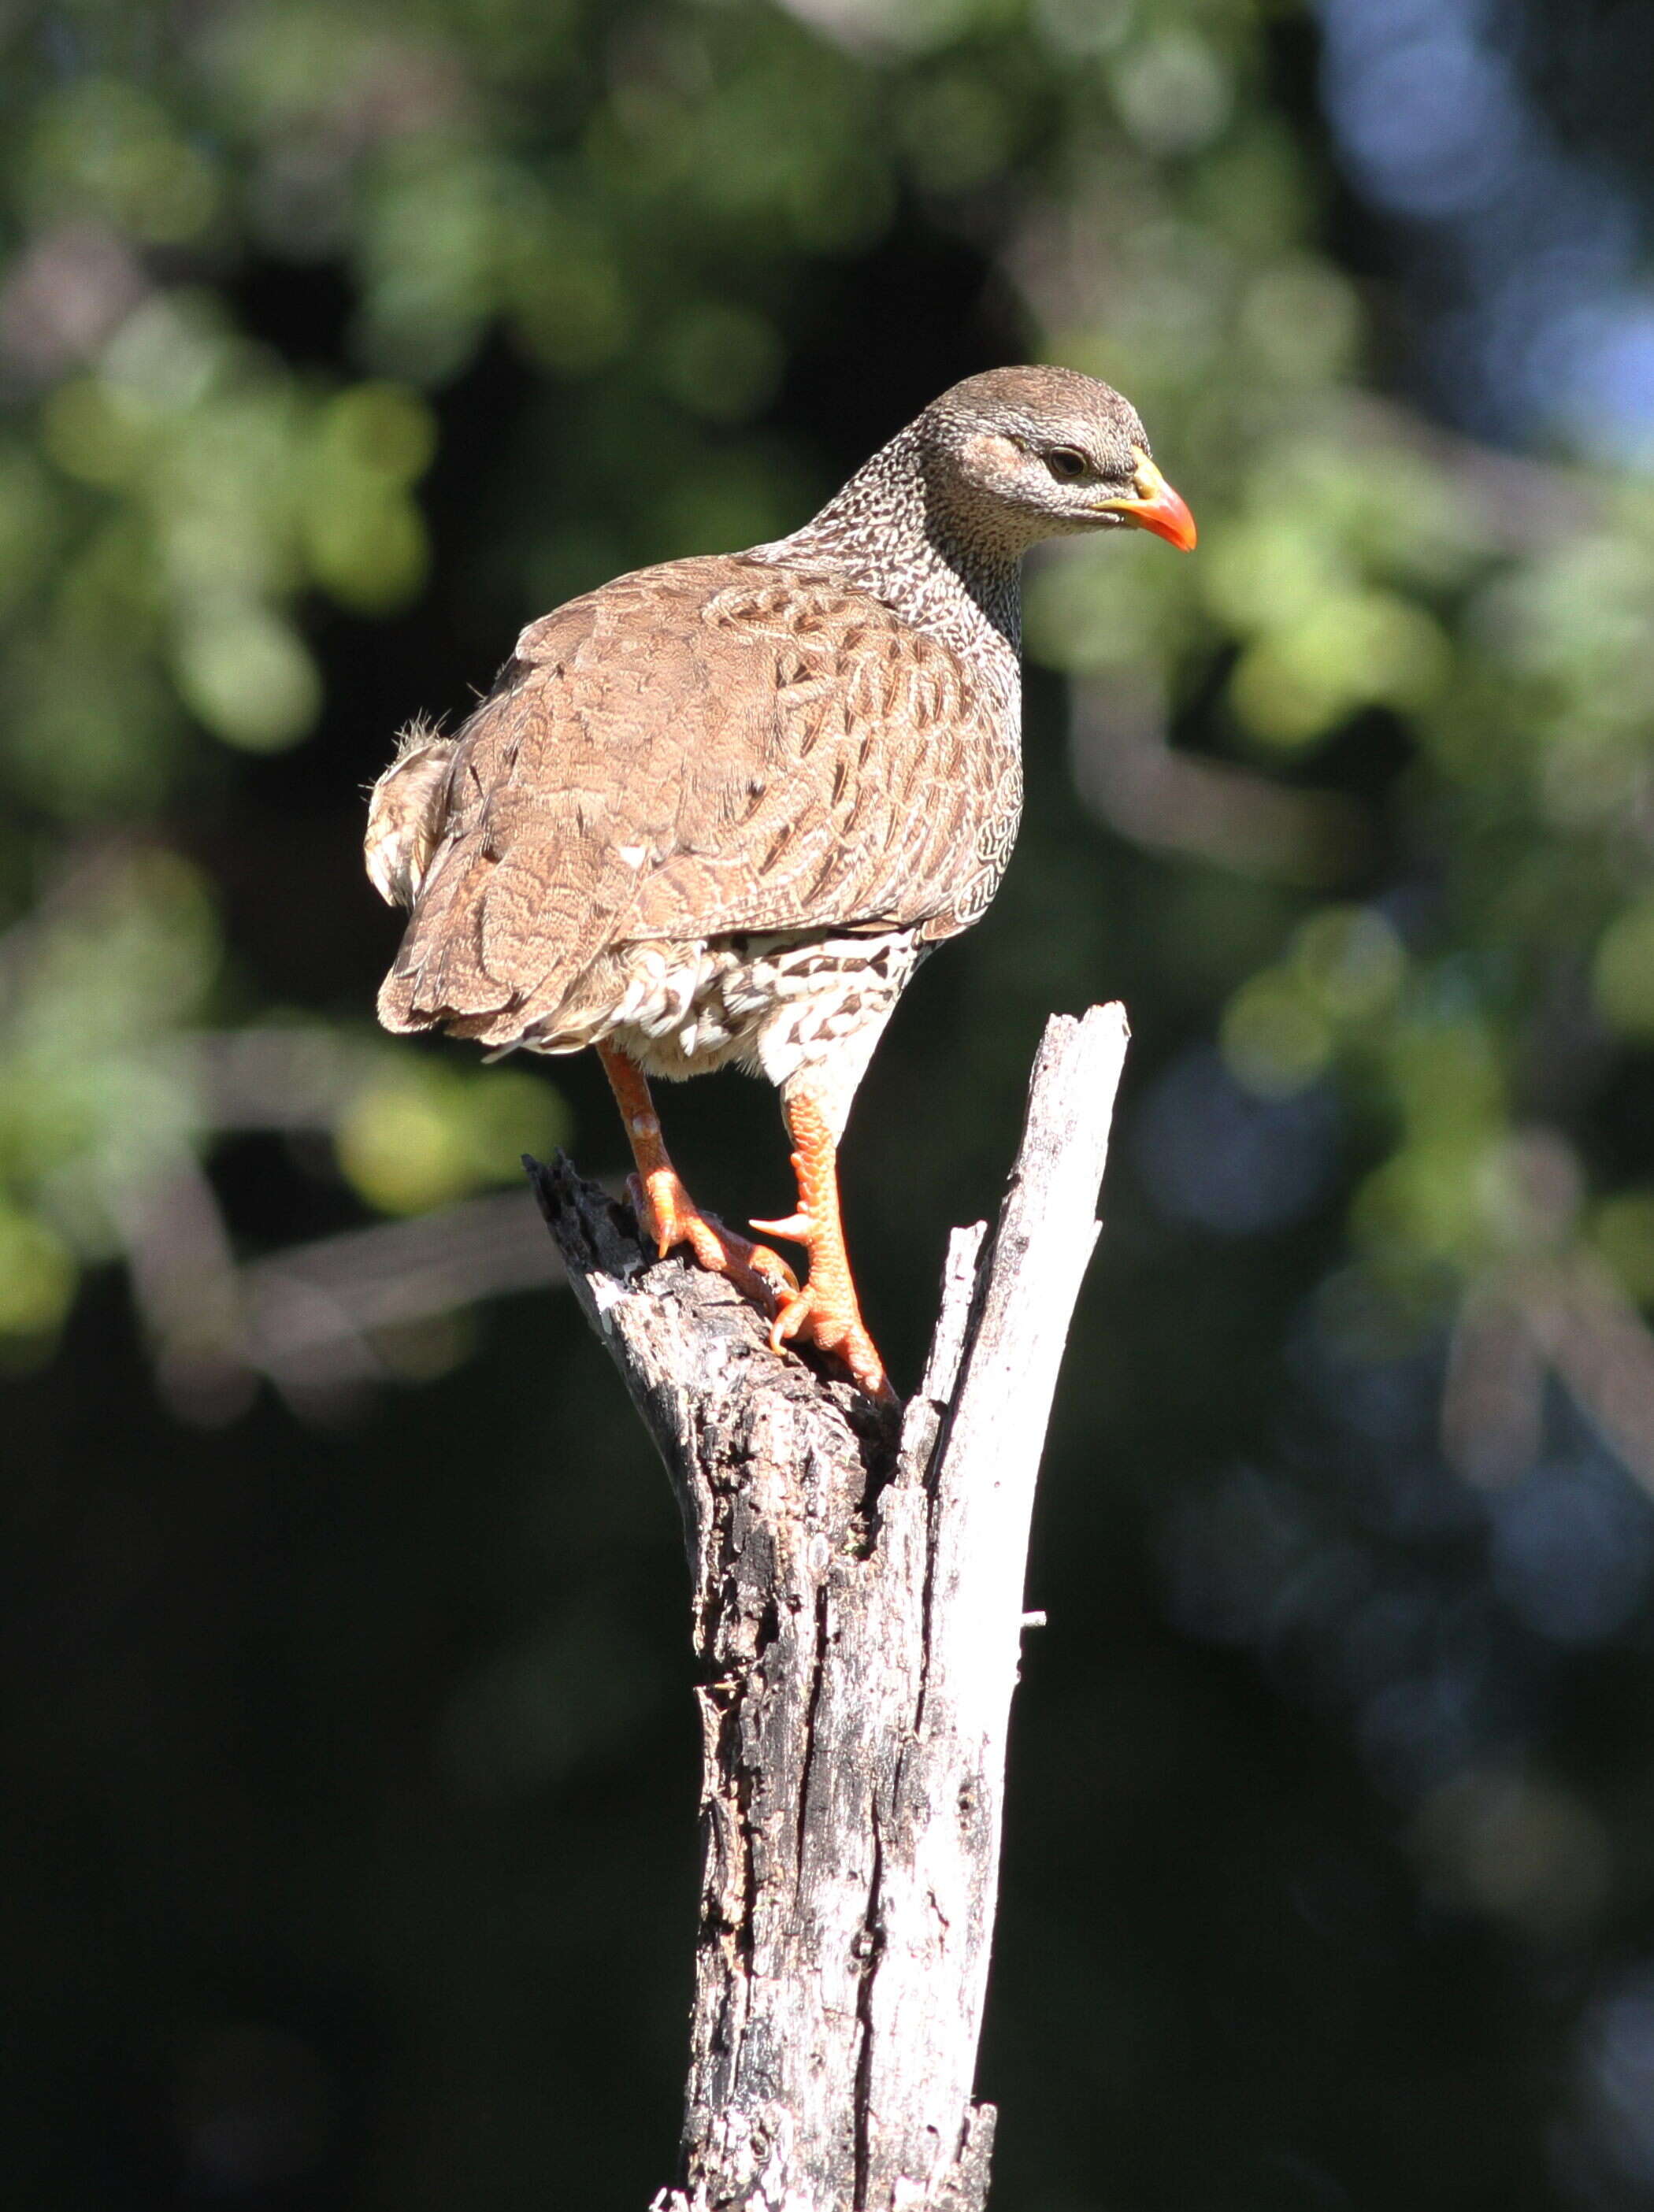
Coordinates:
1063 461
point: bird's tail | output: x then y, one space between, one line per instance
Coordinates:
406 810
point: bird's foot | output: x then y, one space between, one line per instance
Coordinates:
824 1312
668 1217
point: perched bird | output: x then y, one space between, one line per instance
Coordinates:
719 810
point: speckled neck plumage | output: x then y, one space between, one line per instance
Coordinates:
943 569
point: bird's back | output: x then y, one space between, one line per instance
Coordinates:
714 746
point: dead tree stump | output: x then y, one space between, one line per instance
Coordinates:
857 1612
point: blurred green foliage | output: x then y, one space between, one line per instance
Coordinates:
634 207
339 340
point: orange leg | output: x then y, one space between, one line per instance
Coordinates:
666 1212
824 1312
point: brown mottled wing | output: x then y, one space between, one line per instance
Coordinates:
711 746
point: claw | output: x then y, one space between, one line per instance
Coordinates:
796 1225
810 1317
668 1216
662 1235
794 1312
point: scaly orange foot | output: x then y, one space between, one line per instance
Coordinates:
825 1323
667 1213
826 1311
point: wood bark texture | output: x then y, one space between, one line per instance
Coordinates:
857 1618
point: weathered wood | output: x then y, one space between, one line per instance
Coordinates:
857 1611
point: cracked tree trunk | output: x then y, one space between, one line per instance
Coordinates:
857 1612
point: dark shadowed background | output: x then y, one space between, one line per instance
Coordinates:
349 1844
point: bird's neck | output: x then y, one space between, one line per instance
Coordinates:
887 534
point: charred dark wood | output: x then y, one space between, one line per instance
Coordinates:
857 1618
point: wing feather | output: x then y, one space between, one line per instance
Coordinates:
714 746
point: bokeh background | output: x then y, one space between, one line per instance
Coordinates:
349 1853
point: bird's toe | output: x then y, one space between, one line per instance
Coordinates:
810 1319
668 1217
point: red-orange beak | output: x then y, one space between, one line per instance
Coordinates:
1154 506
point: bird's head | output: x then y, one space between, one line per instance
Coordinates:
1042 452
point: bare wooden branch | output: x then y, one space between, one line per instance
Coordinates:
858 1607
